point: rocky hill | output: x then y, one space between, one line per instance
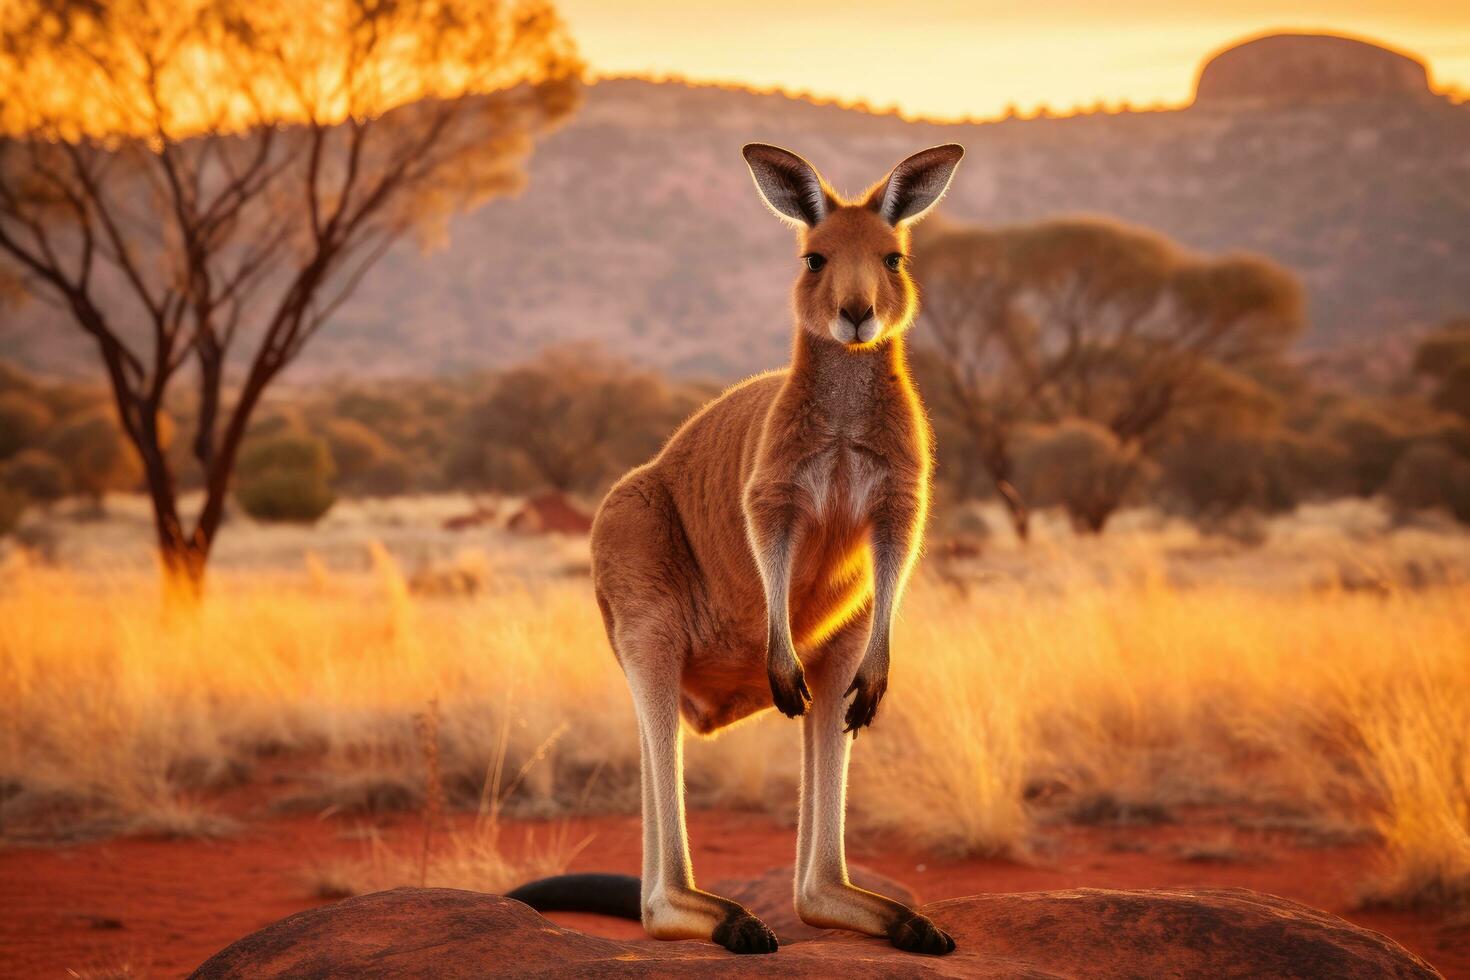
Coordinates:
640 229
1282 69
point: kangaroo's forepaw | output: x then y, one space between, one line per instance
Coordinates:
869 691
918 934
742 932
789 691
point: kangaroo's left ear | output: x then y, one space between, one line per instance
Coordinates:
917 184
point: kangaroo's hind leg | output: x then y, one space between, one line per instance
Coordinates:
673 908
643 589
825 897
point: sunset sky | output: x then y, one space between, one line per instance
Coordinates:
953 58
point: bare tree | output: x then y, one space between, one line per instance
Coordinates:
199 186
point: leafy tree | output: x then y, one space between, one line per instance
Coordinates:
286 478
966 360
199 185
1083 318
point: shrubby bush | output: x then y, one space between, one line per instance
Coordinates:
285 478
12 507
1430 476
365 463
1083 468
1444 357
1210 479
573 420
35 474
95 453
24 419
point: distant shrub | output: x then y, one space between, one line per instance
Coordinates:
1430 476
12 506
374 412
574 420
23 421
67 399
364 460
36 474
1444 356
285 478
1454 392
281 421
1302 466
1081 467
1211 479
389 477
96 454
1374 442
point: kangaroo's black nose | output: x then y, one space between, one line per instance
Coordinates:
854 317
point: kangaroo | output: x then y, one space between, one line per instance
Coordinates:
759 558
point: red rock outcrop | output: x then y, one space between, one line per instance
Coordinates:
550 513
444 934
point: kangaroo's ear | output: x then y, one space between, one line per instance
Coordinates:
917 184
789 185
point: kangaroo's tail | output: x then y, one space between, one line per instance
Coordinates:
604 894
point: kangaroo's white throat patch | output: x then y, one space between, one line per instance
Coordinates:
843 331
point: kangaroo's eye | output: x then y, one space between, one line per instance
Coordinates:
814 261
893 260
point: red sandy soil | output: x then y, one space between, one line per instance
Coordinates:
160 907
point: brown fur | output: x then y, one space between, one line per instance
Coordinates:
814 481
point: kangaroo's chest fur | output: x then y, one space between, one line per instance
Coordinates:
829 442
846 434
842 463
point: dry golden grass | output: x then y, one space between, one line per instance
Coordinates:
1010 707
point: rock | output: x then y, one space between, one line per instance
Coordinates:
550 513
1310 68
445 933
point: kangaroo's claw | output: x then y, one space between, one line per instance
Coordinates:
865 705
789 691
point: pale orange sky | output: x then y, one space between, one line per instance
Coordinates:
951 58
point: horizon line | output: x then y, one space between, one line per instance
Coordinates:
1452 92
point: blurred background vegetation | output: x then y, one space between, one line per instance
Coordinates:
1256 433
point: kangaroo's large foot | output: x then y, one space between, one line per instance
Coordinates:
919 934
846 906
688 913
742 932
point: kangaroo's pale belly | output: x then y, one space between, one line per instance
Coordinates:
832 578
831 585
